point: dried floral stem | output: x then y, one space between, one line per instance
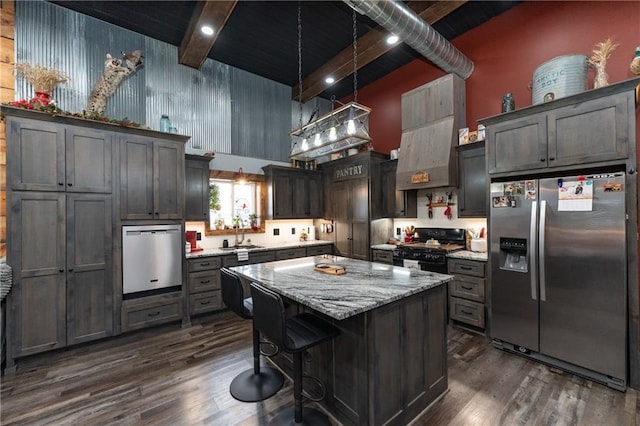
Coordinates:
602 51
41 78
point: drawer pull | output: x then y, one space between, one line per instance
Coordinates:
466 312
153 314
205 282
466 288
205 264
466 268
205 303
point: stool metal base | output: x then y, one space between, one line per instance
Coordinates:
250 387
310 416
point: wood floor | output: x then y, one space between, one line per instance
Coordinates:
181 377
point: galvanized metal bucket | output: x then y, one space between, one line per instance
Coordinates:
559 77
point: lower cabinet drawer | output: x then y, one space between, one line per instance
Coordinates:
467 287
205 302
145 314
204 281
382 256
318 250
466 311
291 253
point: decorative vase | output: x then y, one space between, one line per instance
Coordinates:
602 78
42 98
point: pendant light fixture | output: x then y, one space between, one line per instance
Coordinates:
343 128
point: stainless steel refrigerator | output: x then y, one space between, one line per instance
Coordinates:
559 272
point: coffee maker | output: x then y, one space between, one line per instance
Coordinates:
192 238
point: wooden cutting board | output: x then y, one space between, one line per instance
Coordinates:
330 269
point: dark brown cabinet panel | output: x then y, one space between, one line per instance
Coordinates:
472 181
591 127
467 293
197 188
351 215
293 193
395 204
151 178
63 251
53 157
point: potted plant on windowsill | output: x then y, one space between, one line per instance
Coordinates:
214 197
253 221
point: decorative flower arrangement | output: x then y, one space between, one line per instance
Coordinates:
43 79
598 60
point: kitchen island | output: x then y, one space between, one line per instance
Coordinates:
389 362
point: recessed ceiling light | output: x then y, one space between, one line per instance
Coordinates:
392 39
207 30
329 80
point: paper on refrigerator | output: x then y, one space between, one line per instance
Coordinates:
575 196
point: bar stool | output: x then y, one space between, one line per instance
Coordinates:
294 335
255 384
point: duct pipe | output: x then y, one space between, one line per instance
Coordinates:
398 19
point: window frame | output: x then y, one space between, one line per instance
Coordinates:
250 177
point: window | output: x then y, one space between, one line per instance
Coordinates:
234 204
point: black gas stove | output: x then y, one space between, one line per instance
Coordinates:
429 248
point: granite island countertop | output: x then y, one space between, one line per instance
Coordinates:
262 247
365 286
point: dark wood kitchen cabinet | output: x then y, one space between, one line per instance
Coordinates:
394 203
204 284
61 253
590 127
151 178
353 187
472 180
54 157
467 293
293 193
196 172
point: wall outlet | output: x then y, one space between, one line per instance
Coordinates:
276 231
398 231
199 236
293 231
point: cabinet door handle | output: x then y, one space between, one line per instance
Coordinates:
153 314
542 160
61 183
552 158
466 288
157 213
150 213
69 184
70 269
61 270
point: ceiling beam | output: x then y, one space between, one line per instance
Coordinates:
371 46
195 45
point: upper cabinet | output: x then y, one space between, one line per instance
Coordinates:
82 158
293 193
591 127
151 178
393 203
472 180
197 188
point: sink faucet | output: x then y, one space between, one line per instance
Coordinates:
238 242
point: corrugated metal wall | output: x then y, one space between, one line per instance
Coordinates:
223 109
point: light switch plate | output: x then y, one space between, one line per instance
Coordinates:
276 231
293 231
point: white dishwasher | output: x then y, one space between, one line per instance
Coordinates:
151 257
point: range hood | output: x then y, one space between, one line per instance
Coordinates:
431 117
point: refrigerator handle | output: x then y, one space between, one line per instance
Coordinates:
533 251
543 220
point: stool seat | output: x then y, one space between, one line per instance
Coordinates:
294 335
256 384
